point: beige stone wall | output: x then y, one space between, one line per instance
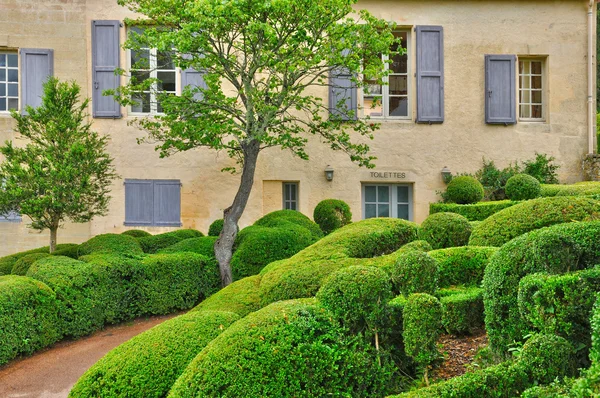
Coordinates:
472 28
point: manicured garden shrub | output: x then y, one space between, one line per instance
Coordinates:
546 357
22 265
464 190
7 262
462 309
204 245
578 189
461 265
332 214
532 214
522 187
421 319
136 233
296 350
149 364
241 297
215 227
443 230
420 245
281 217
68 250
414 272
110 243
357 296
152 244
472 212
28 316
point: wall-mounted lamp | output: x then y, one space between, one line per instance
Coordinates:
329 173
446 175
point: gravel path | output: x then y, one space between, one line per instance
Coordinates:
52 373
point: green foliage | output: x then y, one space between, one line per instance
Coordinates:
110 243
241 297
532 214
585 188
414 272
331 214
280 218
136 233
154 243
461 265
357 296
67 250
542 169
22 265
203 245
473 212
73 172
443 230
421 319
149 364
215 227
522 187
462 309
28 316
464 190
420 245
296 350
7 262
546 357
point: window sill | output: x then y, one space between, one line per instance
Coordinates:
533 121
134 224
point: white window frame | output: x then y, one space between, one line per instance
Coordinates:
296 200
543 75
6 68
393 204
385 89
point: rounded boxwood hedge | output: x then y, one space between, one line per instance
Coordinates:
204 245
357 296
291 348
444 230
332 214
280 218
414 272
153 243
7 262
420 245
522 187
22 265
529 215
149 364
215 227
240 297
462 309
136 233
110 243
464 190
68 250
28 316
578 189
422 325
462 265
473 212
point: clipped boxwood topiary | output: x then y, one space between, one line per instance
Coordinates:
69 250
462 309
443 230
7 262
414 272
532 214
152 244
473 212
240 297
546 357
215 227
332 214
464 190
522 187
357 296
136 233
281 218
28 316
420 245
110 243
149 364
204 245
22 265
462 265
422 324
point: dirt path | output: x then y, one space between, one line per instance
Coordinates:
52 373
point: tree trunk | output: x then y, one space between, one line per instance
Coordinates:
231 215
53 232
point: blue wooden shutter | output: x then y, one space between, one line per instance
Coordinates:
139 202
105 60
36 66
342 91
11 216
167 202
193 78
500 89
430 74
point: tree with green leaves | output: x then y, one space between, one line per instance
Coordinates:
261 60
62 172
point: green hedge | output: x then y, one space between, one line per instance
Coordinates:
473 212
28 316
110 243
215 227
22 265
136 233
204 245
280 218
241 297
443 230
414 272
464 190
532 214
287 349
152 244
462 309
420 245
579 189
68 250
149 364
7 262
332 214
522 187
421 320
462 265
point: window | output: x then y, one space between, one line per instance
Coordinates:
150 63
153 203
12 216
9 81
290 196
531 86
392 99
393 201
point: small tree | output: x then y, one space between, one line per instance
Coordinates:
63 171
260 60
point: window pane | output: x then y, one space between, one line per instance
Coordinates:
373 106
13 75
370 211
143 103
13 103
293 192
138 77
13 60
521 66
403 212
383 194
2 90
403 194
292 205
525 113
372 88
524 82
536 97
13 90
2 75
167 81
526 69
140 59
370 194
536 111
398 85
384 211
525 96
2 104
164 60
399 64
398 106
536 68
2 59
536 82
